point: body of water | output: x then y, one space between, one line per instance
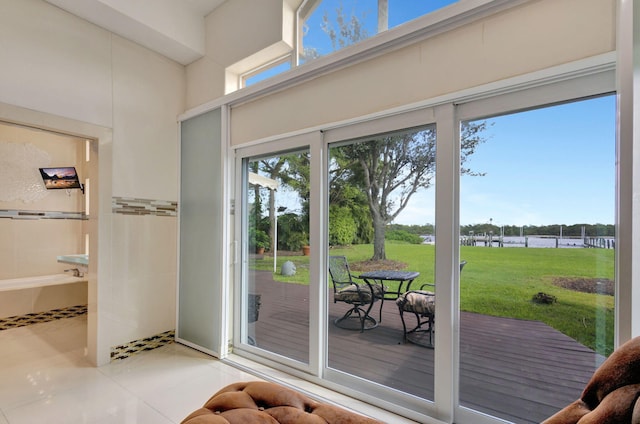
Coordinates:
533 241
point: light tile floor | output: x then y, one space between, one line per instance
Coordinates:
45 377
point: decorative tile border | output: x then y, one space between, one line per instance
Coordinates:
24 214
142 345
132 206
40 317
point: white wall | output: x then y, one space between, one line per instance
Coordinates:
70 75
148 95
165 26
64 72
240 36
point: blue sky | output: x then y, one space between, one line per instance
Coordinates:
554 165
400 11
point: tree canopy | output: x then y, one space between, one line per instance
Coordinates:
391 168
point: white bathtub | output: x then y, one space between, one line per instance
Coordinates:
20 296
40 281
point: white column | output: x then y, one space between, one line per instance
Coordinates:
628 207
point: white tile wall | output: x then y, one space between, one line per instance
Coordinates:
30 247
142 299
16 302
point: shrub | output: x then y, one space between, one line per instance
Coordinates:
405 236
292 231
342 228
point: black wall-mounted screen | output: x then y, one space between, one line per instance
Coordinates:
60 178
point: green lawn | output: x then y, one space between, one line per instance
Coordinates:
502 281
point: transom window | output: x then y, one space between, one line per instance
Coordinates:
267 71
326 26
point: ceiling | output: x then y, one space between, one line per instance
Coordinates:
174 28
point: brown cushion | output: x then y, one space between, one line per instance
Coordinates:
612 394
358 293
421 302
260 402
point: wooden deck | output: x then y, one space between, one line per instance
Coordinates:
521 371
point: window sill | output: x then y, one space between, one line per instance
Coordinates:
322 394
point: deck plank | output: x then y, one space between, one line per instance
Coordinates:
522 371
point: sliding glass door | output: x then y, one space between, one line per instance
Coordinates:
537 229
381 193
489 222
275 293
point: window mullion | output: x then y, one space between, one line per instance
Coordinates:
446 335
317 263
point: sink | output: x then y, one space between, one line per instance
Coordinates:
79 259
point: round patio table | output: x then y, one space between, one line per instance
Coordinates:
382 276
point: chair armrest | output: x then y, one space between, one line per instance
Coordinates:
422 287
375 293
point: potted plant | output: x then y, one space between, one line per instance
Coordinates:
296 241
305 244
260 241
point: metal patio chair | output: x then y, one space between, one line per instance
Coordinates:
421 303
360 295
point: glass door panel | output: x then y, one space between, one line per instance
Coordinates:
276 293
381 234
537 213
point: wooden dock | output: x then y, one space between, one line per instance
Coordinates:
521 371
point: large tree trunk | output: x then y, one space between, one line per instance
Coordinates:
383 15
379 229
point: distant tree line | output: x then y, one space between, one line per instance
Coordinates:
419 230
575 230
